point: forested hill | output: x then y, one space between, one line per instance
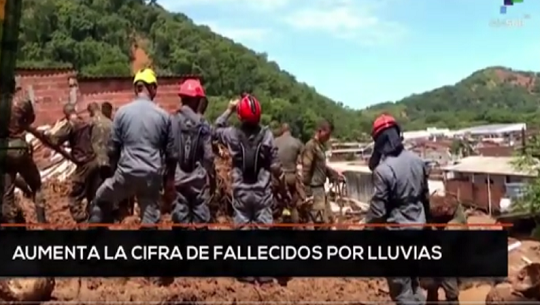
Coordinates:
98 38
110 37
492 95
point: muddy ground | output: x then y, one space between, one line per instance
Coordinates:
210 290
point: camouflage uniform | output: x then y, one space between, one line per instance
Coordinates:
450 285
101 134
19 161
86 178
289 148
314 174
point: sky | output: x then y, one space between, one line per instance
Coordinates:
363 52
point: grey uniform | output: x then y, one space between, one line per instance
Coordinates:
399 198
142 142
252 200
193 169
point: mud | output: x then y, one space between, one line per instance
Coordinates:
196 290
208 290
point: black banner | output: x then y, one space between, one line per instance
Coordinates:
275 253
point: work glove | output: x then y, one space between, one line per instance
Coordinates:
40 215
232 104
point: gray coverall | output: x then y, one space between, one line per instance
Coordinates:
193 184
252 202
400 184
142 140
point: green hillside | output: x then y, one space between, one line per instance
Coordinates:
97 37
492 95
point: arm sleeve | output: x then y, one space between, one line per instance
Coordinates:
61 135
171 153
208 158
331 173
30 115
425 195
221 127
377 208
114 146
275 164
307 164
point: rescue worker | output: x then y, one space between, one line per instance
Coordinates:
450 285
315 171
107 110
254 161
142 144
289 150
86 178
195 167
19 160
401 195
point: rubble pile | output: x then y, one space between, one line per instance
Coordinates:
51 164
443 207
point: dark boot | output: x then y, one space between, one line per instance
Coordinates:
247 279
161 281
40 215
265 280
452 301
283 281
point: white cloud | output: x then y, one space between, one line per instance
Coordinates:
239 34
348 20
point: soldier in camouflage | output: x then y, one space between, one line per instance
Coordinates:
289 149
315 172
19 161
107 110
86 178
101 132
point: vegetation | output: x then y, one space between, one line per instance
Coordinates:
98 37
490 96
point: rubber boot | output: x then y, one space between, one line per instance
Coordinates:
452 301
40 215
265 280
283 281
247 279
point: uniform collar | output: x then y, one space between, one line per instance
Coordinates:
189 113
143 98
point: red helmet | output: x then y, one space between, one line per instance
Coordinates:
249 109
192 88
383 122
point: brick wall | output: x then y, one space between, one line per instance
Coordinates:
51 90
477 194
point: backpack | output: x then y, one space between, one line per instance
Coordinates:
252 159
191 148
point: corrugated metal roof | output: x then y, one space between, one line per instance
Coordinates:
488 165
493 128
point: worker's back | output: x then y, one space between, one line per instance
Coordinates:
289 148
406 175
141 127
